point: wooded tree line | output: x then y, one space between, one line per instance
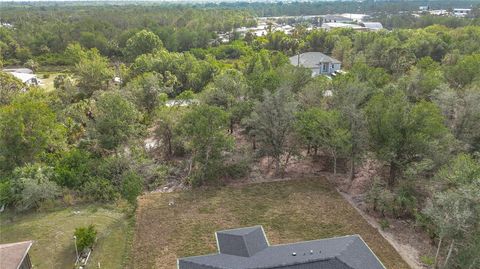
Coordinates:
43 33
408 100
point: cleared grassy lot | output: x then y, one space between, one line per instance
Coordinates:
53 235
290 211
47 83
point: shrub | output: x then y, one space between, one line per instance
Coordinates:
373 195
384 224
74 168
47 205
401 202
237 170
428 260
132 186
99 189
386 202
45 76
113 168
32 185
6 195
405 202
68 198
425 222
85 237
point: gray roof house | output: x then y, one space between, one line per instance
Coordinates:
317 62
15 255
248 248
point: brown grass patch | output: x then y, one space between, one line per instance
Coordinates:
290 211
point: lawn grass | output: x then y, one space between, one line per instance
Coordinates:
47 83
53 235
290 211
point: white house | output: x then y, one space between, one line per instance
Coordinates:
333 25
335 18
317 62
461 12
373 26
29 79
355 16
424 8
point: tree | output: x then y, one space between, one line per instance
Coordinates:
115 120
132 186
401 132
294 78
454 215
66 88
167 120
150 89
32 185
228 90
74 168
273 124
462 114
32 64
142 42
422 80
324 129
204 131
9 88
315 93
349 99
29 129
463 72
93 72
455 210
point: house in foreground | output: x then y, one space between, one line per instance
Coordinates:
319 63
248 248
15 255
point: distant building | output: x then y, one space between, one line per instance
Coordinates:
372 26
18 70
355 16
424 8
461 12
249 248
439 12
29 79
335 18
23 74
319 63
15 255
334 25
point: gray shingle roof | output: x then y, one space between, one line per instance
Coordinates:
312 59
348 252
242 242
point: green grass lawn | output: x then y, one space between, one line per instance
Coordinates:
53 235
290 211
47 83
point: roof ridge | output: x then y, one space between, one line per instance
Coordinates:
325 239
7 245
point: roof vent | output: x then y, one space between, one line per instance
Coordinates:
311 252
294 254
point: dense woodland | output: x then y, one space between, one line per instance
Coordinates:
409 100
